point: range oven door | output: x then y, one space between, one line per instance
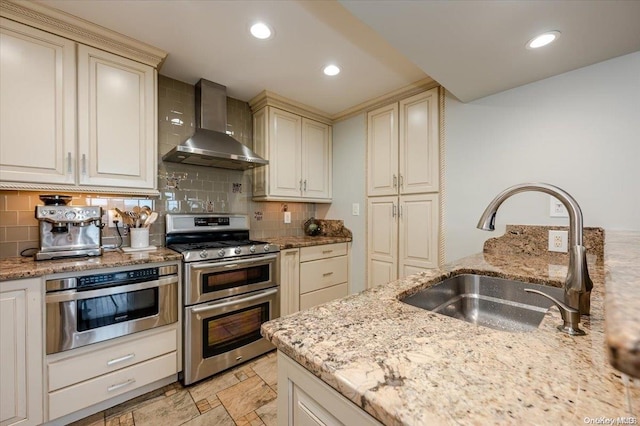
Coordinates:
221 334
207 281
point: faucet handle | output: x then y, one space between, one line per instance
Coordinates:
570 316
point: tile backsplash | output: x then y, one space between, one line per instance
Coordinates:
183 188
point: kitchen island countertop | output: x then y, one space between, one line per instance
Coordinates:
405 365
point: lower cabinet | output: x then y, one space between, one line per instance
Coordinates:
21 352
83 377
303 399
310 276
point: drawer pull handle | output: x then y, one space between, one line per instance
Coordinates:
121 359
121 385
326 274
327 251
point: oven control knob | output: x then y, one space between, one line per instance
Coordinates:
267 247
237 250
70 215
252 249
203 254
221 253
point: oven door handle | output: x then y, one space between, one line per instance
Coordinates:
65 296
196 266
211 307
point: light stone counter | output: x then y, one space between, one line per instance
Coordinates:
404 365
25 267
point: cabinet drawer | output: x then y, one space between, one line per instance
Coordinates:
324 295
82 395
323 273
83 367
322 252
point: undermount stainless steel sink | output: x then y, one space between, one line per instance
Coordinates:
492 302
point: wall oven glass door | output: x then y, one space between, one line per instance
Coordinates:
221 334
216 280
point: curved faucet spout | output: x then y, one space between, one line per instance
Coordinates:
578 284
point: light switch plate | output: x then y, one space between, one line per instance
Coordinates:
287 217
556 208
355 209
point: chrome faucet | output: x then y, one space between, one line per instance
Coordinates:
578 284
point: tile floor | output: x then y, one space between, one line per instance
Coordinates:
243 396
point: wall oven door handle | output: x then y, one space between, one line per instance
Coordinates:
65 296
211 307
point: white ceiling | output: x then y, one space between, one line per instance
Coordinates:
474 48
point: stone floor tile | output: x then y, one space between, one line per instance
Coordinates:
135 403
209 388
172 410
215 417
268 413
267 369
246 396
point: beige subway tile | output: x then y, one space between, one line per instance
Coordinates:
34 233
3 234
3 201
8 218
17 233
27 218
23 245
8 250
18 202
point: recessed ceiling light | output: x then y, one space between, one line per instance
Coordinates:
261 30
543 39
331 70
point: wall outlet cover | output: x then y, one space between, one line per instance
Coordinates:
287 217
559 241
355 209
111 216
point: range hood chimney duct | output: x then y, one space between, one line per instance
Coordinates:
211 146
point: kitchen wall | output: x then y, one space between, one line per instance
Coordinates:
579 130
349 185
183 188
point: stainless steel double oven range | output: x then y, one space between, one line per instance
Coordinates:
230 288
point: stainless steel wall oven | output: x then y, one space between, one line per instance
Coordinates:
92 308
231 288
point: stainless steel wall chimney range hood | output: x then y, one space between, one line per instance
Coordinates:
211 146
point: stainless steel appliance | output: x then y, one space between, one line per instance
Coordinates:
94 307
69 231
231 288
211 146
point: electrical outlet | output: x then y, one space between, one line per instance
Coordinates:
111 216
355 209
287 217
558 241
556 208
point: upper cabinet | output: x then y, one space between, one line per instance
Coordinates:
402 149
299 152
78 105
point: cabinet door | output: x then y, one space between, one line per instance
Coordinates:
418 247
289 281
260 147
116 120
21 352
316 159
382 151
419 156
382 234
285 176
37 105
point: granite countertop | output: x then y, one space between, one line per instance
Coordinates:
296 242
405 365
26 267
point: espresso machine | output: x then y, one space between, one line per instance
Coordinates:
68 231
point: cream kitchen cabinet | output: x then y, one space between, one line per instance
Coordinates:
75 117
304 399
21 352
310 276
402 147
402 236
299 153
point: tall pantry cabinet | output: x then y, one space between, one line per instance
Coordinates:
403 163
